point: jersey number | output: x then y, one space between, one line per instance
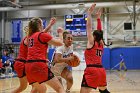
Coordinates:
31 42
99 52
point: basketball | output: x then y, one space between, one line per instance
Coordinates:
75 62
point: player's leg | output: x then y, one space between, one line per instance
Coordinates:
19 67
34 90
60 79
104 90
41 88
88 83
54 82
102 83
56 85
67 75
85 90
23 84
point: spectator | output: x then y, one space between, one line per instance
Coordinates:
5 56
7 66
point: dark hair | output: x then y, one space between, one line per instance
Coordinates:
34 25
98 34
65 33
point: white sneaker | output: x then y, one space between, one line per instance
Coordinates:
67 91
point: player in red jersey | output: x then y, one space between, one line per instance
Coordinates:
94 74
19 64
37 71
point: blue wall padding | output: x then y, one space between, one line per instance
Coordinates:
106 58
131 57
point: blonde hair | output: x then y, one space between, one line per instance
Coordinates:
33 25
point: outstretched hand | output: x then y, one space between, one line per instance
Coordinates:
91 9
59 30
52 21
99 13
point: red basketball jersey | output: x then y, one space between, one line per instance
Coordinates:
23 50
94 55
37 46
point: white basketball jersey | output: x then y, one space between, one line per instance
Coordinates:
65 51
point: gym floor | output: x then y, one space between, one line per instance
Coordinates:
118 82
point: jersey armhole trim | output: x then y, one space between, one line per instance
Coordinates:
39 38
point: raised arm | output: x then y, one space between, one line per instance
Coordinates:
60 31
98 15
51 23
89 26
99 24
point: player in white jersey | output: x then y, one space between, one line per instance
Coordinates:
65 52
63 55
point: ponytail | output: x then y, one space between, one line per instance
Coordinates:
34 25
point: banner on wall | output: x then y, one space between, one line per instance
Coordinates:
16 31
44 23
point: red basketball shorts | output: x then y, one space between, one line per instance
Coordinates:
19 67
94 77
38 72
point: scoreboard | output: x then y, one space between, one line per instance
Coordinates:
76 24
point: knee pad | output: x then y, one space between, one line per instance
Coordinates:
104 91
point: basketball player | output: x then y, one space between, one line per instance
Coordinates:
63 55
94 74
19 64
37 71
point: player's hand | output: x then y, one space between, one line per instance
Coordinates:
52 21
70 58
60 30
99 13
91 9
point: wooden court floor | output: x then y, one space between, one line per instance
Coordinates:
118 82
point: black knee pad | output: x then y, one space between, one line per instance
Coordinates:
104 91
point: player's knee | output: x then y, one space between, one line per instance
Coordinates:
70 79
42 90
104 91
59 89
23 86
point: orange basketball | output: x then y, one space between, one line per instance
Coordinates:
75 62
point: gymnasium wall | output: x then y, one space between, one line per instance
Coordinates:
115 23
111 57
